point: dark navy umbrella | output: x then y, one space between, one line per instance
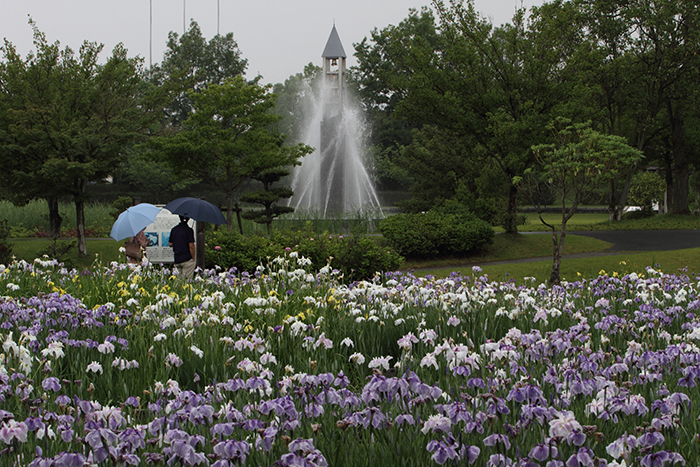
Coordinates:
197 209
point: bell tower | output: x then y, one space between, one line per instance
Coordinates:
332 140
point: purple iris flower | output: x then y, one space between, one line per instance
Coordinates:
476 383
69 459
341 380
66 433
471 453
496 438
576 438
540 452
42 462
651 438
94 438
442 451
663 458
34 423
132 401
268 437
499 460
133 439
13 430
582 458
51 384
232 450
405 418
303 453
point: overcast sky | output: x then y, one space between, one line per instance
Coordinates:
278 37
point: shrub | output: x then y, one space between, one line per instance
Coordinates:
229 249
439 232
59 250
357 257
120 205
5 246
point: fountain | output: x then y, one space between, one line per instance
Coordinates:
333 179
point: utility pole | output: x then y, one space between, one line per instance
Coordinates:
150 37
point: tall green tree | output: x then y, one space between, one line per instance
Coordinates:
229 138
66 120
190 63
648 70
577 162
377 76
493 88
295 101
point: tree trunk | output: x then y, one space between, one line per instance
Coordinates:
238 218
556 258
679 199
511 223
55 218
229 210
618 197
558 244
80 217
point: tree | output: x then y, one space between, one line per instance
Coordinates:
647 188
145 175
268 196
191 63
228 138
648 70
376 76
579 161
295 100
493 88
66 121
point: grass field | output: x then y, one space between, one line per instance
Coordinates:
575 268
105 250
586 221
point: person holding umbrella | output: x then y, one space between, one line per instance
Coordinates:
131 224
182 243
138 250
200 211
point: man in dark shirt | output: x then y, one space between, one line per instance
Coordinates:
182 243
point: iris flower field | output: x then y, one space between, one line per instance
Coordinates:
132 365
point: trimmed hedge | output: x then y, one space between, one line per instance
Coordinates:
356 257
434 234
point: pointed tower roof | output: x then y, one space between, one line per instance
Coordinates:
334 49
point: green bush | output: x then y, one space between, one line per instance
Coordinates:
356 257
120 205
440 232
229 249
5 246
359 257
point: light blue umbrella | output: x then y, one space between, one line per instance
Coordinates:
133 220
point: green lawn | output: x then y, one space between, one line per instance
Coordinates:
504 248
507 247
105 250
585 221
573 269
